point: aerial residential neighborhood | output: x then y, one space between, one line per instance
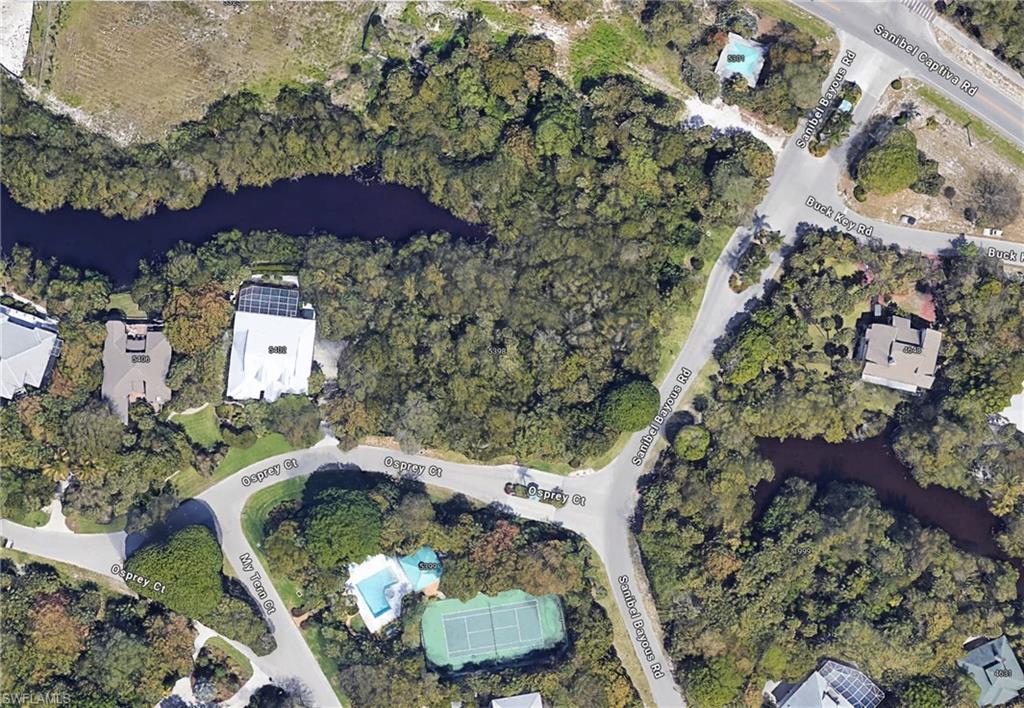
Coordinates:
497 354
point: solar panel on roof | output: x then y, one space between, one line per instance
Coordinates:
853 685
269 300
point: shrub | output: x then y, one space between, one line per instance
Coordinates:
188 566
630 406
859 193
242 438
891 165
343 526
896 84
995 197
691 443
949 191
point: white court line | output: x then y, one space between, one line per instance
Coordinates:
494 646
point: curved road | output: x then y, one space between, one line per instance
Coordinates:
602 502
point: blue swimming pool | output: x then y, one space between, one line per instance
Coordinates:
372 589
741 56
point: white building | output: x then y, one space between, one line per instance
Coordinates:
832 685
28 347
1015 411
380 582
272 348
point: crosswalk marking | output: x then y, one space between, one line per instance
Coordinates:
921 7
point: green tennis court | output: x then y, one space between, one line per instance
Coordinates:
486 629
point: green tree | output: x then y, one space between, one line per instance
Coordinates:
691 442
344 526
195 320
891 165
630 406
188 566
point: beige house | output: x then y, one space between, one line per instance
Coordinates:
900 356
136 357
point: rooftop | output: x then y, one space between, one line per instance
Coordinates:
995 669
741 56
272 345
380 582
136 358
28 346
833 685
523 700
900 356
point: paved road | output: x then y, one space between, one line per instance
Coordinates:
601 503
859 20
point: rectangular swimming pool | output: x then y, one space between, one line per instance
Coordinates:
372 589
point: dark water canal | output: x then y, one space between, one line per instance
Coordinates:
340 205
968 521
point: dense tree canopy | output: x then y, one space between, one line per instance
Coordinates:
188 565
494 350
891 165
749 595
630 406
78 643
481 550
343 528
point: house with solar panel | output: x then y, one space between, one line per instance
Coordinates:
272 345
994 667
379 583
29 346
832 685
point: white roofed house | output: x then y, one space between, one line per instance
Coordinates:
28 347
832 685
272 347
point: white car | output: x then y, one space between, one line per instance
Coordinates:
996 233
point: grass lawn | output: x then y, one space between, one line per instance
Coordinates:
202 427
785 11
190 483
33 518
81 525
622 638
245 671
606 48
124 303
255 514
71 571
315 642
981 130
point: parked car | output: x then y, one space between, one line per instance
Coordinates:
908 220
992 232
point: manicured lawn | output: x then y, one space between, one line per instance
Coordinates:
245 672
783 10
254 516
124 303
979 128
202 427
32 518
190 483
80 525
